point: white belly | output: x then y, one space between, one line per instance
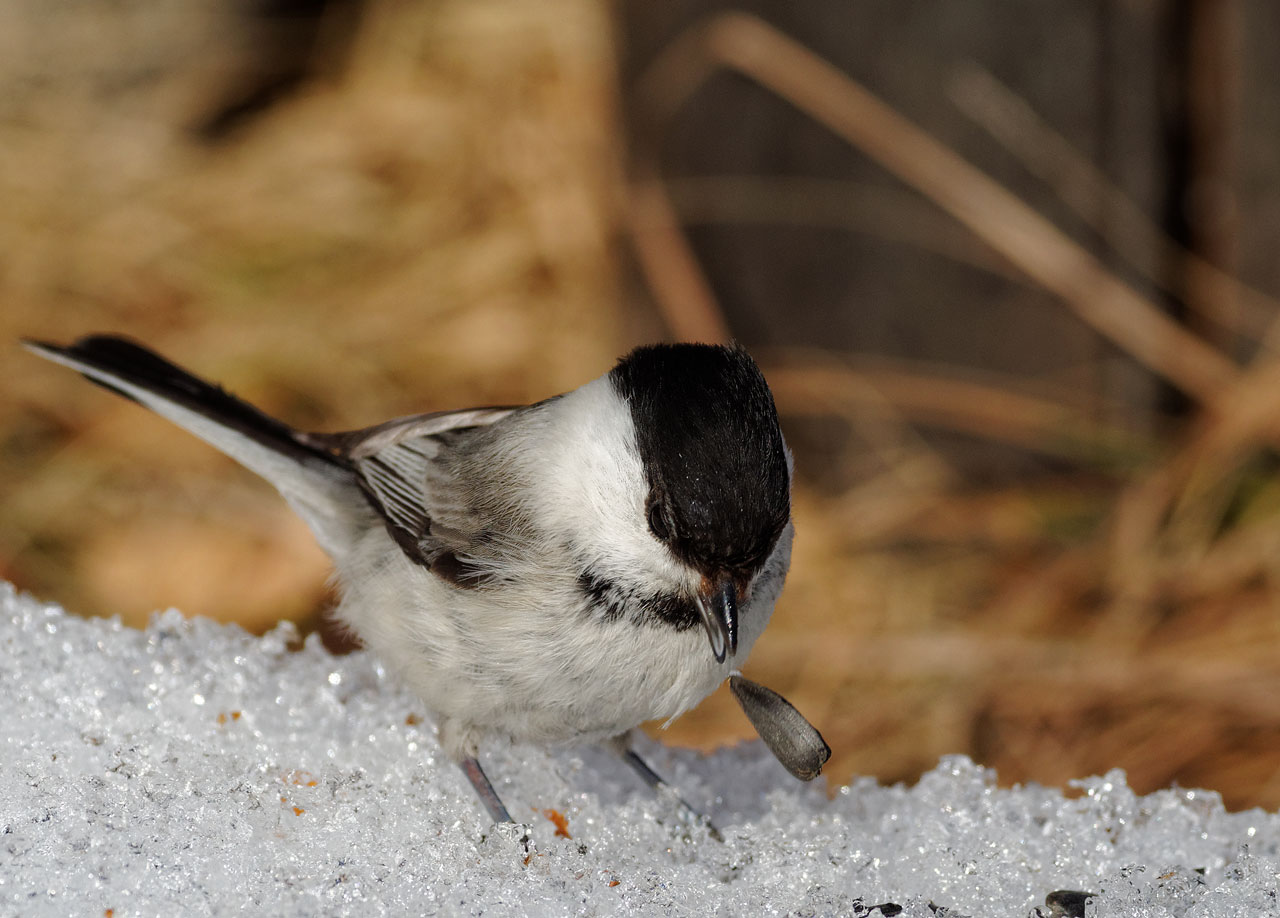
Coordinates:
528 661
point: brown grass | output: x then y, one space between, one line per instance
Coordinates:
433 227
429 229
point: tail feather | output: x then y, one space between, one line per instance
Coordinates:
141 375
318 484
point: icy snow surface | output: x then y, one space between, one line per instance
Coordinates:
192 769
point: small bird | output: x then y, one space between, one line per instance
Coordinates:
553 573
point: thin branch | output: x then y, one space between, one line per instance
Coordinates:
750 46
1080 185
680 289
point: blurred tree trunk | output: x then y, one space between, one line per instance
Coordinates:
1202 76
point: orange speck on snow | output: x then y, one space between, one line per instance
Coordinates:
561 822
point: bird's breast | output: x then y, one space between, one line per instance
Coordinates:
543 658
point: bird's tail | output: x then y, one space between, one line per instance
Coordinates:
318 484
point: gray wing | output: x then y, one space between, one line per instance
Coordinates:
410 468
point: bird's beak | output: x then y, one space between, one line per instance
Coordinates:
718 605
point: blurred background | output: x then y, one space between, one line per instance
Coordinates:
1009 268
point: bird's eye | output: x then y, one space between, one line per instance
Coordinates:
658 520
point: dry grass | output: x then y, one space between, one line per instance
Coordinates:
429 230
433 228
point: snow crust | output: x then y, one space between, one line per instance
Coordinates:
193 769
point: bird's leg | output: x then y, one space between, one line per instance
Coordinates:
642 768
484 790
622 745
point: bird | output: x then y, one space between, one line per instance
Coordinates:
553 573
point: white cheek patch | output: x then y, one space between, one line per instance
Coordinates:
589 490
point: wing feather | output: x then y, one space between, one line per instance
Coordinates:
407 470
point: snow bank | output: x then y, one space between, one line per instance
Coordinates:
192 769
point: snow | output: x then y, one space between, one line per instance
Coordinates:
193 769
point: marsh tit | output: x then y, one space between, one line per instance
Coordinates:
553 573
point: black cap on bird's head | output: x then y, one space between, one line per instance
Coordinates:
719 486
